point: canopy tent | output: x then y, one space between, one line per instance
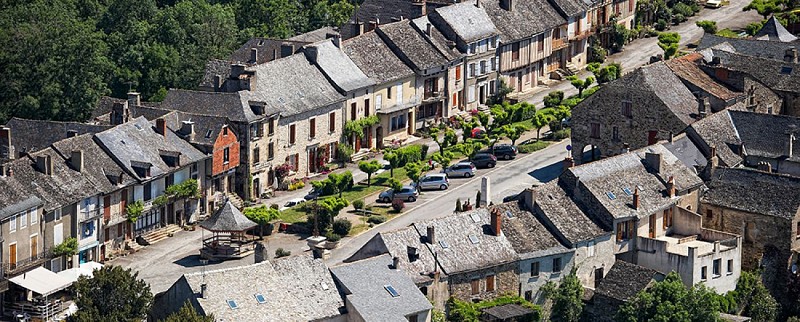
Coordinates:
42 281
85 269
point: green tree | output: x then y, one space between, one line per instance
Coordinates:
394 161
187 313
446 140
554 98
341 181
413 171
670 300
395 185
765 7
68 247
709 26
568 300
580 84
443 159
325 211
112 294
540 120
753 299
753 28
470 149
261 215
668 41
369 167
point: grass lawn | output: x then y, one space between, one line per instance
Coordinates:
292 215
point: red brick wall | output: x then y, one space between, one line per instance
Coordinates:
223 141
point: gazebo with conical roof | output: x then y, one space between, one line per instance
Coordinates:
228 226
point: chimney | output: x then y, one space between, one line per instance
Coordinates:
120 113
671 137
529 198
76 160
713 160
203 290
236 70
45 164
636 198
311 53
337 41
217 82
6 149
134 99
702 107
395 262
790 56
428 29
671 186
260 254
568 163
477 3
424 8
72 133
508 4
360 26
3 170
161 127
187 128
431 235
253 55
374 24
496 222
790 147
654 160
274 54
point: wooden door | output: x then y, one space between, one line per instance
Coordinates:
107 208
652 228
12 256
34 246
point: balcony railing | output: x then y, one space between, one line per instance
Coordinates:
581 35
22 265
89 214
559 43
431 96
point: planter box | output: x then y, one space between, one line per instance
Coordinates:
331 245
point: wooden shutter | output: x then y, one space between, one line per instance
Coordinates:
107 208
332 122
291 134
312 123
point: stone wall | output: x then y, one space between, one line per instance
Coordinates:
762 96
505 282
530 285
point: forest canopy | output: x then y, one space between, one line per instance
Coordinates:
60 56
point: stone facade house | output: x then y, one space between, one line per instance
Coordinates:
19 137
623 281
641 108
773 30
701 84
579 28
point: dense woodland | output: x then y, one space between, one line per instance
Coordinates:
59 57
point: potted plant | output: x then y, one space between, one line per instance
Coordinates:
332 241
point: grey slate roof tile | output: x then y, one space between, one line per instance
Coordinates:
266 50
768 49
398 242
776 74
773 30
316 35
528 237
213 68
685 150
33 135
438 39
529 17
227 219
342 71
412 45
209 103
375 59
717 130
99 166
754 191
566 217
660 80
570 8
467 21
625 280
767 135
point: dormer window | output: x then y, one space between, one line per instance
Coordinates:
171 158
257 109
142 169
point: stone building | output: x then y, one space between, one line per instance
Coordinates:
623 281
702 85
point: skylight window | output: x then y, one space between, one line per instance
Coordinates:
324 286
260 298
391 290
208 134
509 214
627 191
786 70
475 218
232 304
474 239
444 244
138 127
611 195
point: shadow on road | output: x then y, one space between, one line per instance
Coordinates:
547 173
189 261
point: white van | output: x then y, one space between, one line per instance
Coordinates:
713 3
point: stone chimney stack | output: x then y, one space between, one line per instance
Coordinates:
395 262
764 166
253 55
428 28
260 252
217 82
790 56
236 70
204 291
76 160
337 41
568 163
654 161
161 127
45 164
6 149
477 3
187 128
702 107
671 186
496 222
431 235
134 99
636 198
120 113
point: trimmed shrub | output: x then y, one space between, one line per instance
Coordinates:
332 237
376 219
398 205
342 227
358 204
280 252
532 147
343 153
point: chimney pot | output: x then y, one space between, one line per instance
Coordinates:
6 149
203 291
636 198
161 127
671 137
253 55
428 29
702 106
134 99
791 55
765 166
568 163
217 82
478 3
76 160
431 235
497 222
671 186
395 262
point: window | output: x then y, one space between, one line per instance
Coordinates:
595 130
270 127
483 67
471 94
626 109
704 273
492 86
454 100
353 111
378 101
270 151
312 124
57 214
798 229
226 155
256 156
12 224
225 131
717 269
34 215
260 298
332 122
366 108
391 290
232 304
709 213
557 265
535 269
667 218
590 249
615 133
490 283
730 266
23 219
471 69
625 230
494 64
389 92
472 48
476 286
515 51
540 41
413 318
631 5
458 73
399 93
291 134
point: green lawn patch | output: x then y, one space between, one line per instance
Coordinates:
532 147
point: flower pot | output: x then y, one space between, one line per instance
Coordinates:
331 245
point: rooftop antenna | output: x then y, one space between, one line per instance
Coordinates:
130 85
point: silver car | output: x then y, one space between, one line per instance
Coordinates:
434 181
408 193
461 169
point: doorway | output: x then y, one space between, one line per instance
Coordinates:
12 256
598 276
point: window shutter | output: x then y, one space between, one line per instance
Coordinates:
471 94
312 124
291 134
332 122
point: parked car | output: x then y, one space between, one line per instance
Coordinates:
313 194
505 151
484 160
434 181
292 203
713 3
566 122
408 193
462 169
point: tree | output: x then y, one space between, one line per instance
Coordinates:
709 26
396 186
668 41
670 300
765 7
413 172
187 313
579 84
325 211
394 161
341 182
554 98
369 167
443 159
540 120
470 149
445 141
261 215
752 298
502 91
568 300
112 294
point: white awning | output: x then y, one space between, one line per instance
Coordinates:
85 269
42 281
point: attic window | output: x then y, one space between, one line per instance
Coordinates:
391 290
208 134
474 239
475 217
444 244
627 191
138 127
260 298
232 304
611 195
509 214
786 70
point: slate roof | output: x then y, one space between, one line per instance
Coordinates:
570 8
104 105
99 167
413 48
773 30
659 80
206 127
717 130
612 175
624 280
437 39
137 141
528 237
398 242
686 68
266 51
462 255
467 21
375 59
33 135
14 205
213 68
775 74
564 215
768 49
529 17
290 86
316 35
685 150
767 135
390 10
228 219
209 103
754 191
363 284
296 288
332 61
506 312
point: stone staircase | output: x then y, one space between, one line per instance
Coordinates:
360 155
572 69
158 234
235 200
133 246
